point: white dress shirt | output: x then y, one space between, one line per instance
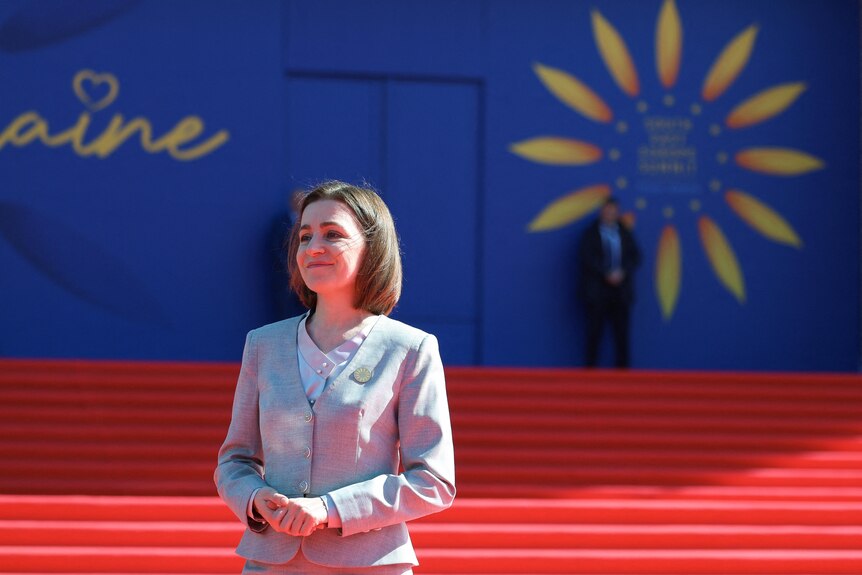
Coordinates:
612 245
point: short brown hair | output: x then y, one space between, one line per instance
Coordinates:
378 282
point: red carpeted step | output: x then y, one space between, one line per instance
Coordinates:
108 415
586 536
687 492
105 451
196 481
140 398
108 370
466 381
449 535
494 560
481 511
108 508
586 439
683 423
102 485
200 459
551 405
44 559
118 398
576 384
472 456
614 439
94 430
140 470
523 478
179 533
597 472
452 539
659 511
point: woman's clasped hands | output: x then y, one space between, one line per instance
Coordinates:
298 516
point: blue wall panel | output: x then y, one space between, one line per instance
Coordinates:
152 247
432 182
134 254
801 305
410 37
334 130
417 141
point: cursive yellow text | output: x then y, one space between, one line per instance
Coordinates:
181 142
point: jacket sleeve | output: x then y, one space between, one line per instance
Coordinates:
427 484
632 254
240 460
590 253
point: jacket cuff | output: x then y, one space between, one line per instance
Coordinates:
256 522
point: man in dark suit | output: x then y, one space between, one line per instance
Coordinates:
608 257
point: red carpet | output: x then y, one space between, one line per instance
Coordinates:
558 472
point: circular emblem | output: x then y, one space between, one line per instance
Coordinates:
362 374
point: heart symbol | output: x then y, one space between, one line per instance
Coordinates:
95 84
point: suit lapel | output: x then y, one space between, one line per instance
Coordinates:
291 380
367 356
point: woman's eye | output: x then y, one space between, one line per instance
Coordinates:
333 235
304 238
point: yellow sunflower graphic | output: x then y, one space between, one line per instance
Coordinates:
667 159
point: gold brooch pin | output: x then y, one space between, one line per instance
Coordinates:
362 374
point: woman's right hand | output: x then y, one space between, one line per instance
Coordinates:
268 502
302 516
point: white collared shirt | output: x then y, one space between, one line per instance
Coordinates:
612 246
317 367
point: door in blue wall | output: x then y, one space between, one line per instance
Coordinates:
417 142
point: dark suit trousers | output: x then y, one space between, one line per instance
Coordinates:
611 307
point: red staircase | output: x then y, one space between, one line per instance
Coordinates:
559 471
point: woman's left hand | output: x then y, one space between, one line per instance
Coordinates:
301 516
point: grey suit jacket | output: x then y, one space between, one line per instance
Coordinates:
349 444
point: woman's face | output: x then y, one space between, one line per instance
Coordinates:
331 246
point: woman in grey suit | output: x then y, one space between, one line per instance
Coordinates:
340 430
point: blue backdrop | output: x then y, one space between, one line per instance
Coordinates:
147 147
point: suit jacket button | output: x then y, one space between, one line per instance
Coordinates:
307 452
303 486
308 416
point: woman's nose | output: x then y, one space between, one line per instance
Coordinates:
314 245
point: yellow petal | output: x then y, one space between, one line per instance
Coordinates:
729 64
764 105
573 93
721 257
777 161
629 219
762 218
668 267
668 44
615 54
570 208
557 151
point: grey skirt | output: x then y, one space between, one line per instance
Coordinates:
299 564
